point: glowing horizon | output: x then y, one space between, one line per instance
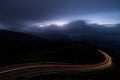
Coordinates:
57 23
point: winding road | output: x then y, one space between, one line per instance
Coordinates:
31 69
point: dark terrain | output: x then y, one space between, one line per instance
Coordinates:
18 48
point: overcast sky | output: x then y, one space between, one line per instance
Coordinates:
60 17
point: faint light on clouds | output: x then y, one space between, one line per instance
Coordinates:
103 18
57 23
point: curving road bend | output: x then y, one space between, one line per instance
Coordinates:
31 69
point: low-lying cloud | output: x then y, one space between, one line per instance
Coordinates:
77 30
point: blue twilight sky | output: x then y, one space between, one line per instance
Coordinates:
76 19
20 13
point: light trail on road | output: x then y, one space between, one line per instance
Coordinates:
30 69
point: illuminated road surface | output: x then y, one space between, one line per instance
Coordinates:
30 69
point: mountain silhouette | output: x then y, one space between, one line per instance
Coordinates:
11 36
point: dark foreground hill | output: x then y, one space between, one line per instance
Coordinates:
10 37
13 44
20 48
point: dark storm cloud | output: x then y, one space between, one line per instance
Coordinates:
19 13
16 12
27 9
